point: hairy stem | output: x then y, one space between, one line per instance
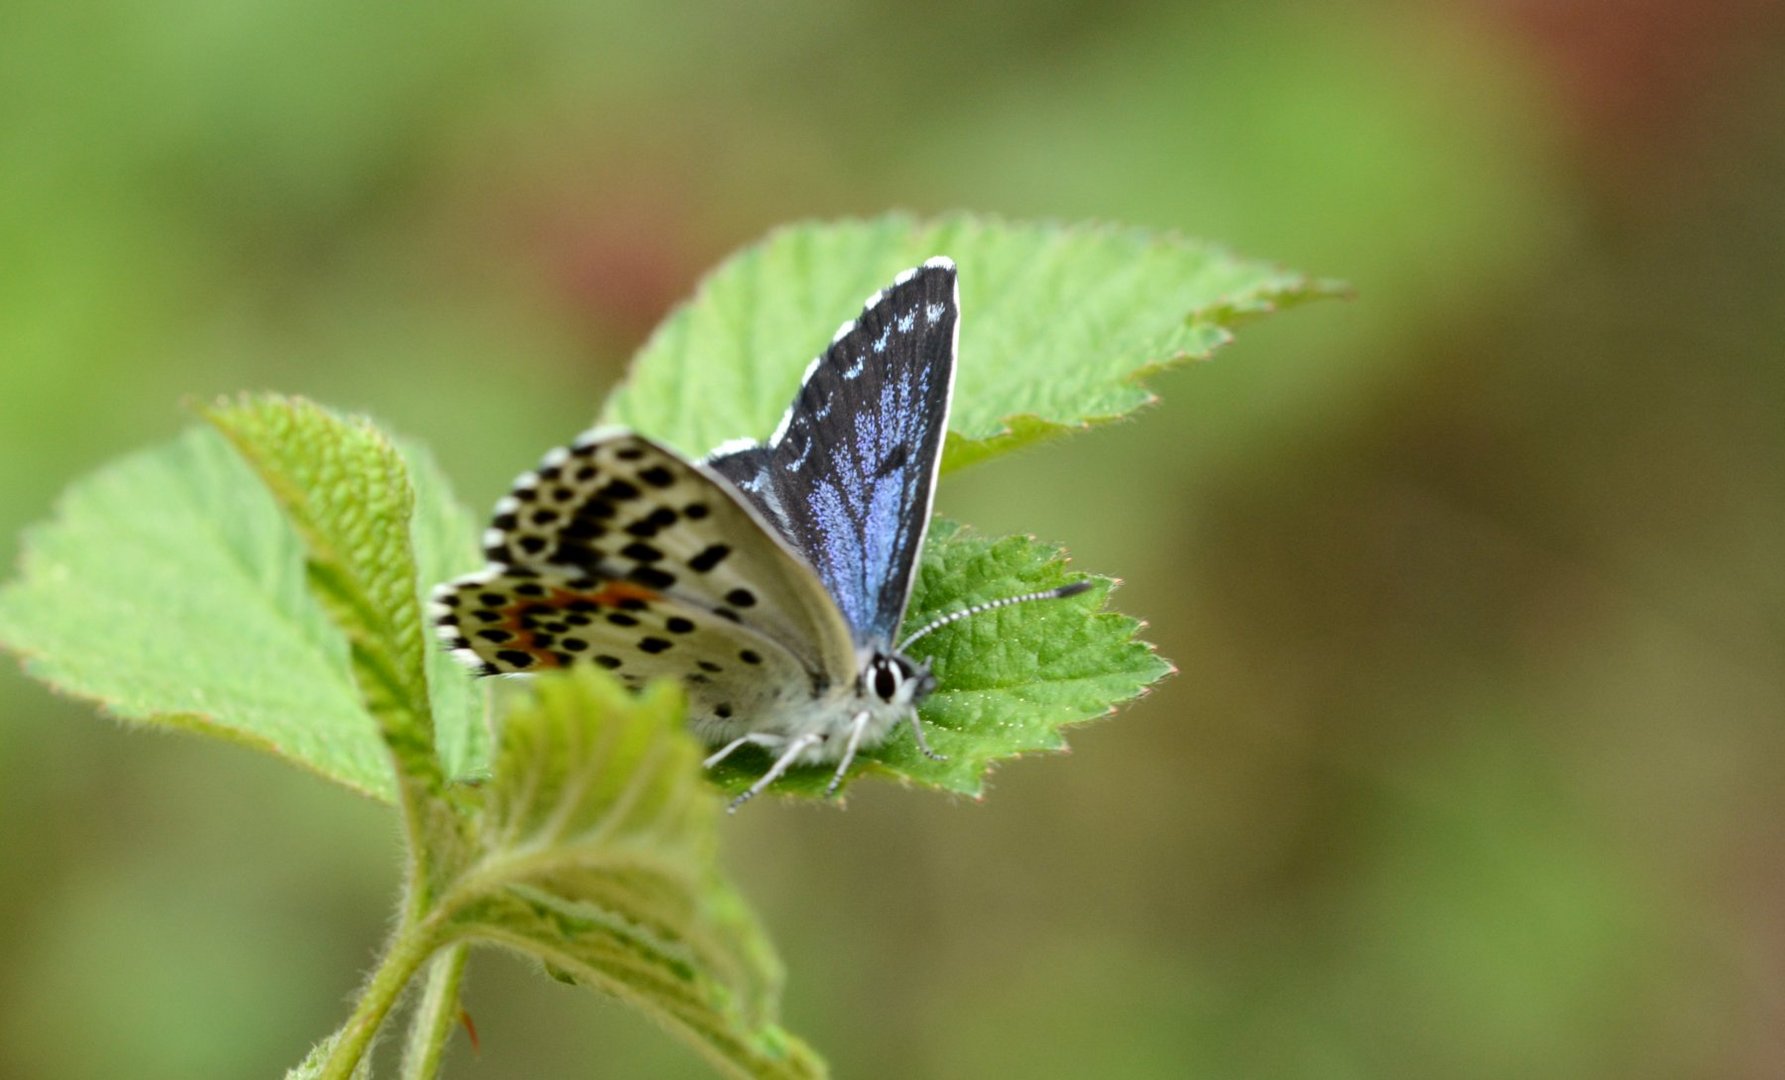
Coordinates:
405 954
435 1015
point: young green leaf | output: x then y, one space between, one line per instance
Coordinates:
346 491
170 591
1060 326
1009 680
597 857
445 537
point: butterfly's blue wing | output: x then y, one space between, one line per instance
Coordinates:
849 476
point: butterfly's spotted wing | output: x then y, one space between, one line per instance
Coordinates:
617 552
508 619
850 475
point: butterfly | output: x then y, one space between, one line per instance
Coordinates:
769 578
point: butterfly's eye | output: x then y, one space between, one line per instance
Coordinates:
886 681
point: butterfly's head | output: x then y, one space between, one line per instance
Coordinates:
890 679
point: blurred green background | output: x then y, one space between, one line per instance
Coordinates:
1473 767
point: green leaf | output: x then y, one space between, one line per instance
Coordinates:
1060 326
445 537
170 590
598 858
346 491
1009 680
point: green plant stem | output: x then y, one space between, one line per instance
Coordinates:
408 950
435 1015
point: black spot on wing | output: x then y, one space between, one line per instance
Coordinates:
709 557
618 491
639 551
651 577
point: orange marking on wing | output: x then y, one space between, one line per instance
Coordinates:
559 599
613 592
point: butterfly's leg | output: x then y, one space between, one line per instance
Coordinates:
795 747
917 730
755 738
856 728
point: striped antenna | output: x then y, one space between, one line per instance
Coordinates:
1057 593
